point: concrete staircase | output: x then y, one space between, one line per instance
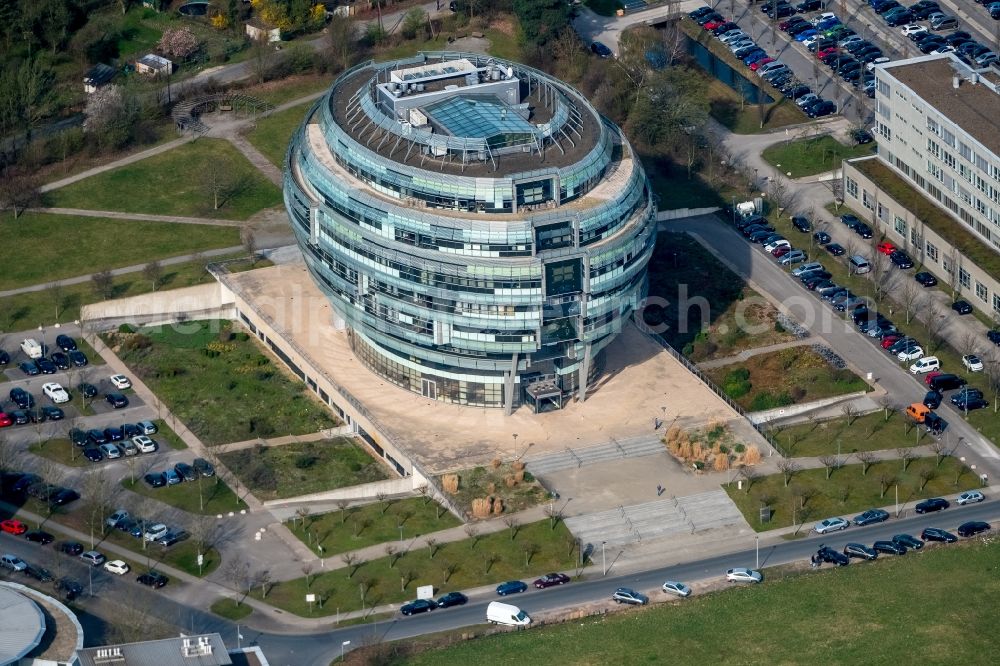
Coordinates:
656 519
613 450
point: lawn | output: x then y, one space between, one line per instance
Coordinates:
871 432
810 496
358 527
229 609
220 383
92 241
182 181
290 470
272 134
61 450
807 157
458 565
746 324
785 377
875 612
291 88
671 184
490 481
207 496
25 310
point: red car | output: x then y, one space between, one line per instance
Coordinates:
712 25
13 526
779 252
825 52
754 66
890 340
930 376
886 248
5 420
548 580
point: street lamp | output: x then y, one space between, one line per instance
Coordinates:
604 561
400 533
756 539
515 445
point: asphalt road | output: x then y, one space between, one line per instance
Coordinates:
841 335
321 648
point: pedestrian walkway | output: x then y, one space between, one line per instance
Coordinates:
282 441
143 217
613 450
255 157
756 351
136 157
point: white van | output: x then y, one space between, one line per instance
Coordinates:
512 616
31 347
925 365
859 264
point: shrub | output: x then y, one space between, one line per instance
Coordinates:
767 400
306 460
739 448
126 328
778 328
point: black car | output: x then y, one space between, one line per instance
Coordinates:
802 224
39 536
822 237
4 357
51 413
418 606
972 528
600 50
452 599
863 230
116 400
153 579
78 358
827 554
46 366
993 336
932 400
70 548
114 433
20 417
809 5
39 574
78 437
969 402
61 360
824 108
203 467
70 589
27 481
65 342
22 398
937 534
835 249
860 550
861 136
186 471
93 454
29 368
155 480
901 259
962 307
97 437
908 541
87 390
925 279
931 505
172 537
63 496
871 517
889 547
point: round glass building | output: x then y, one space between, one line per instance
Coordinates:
481 231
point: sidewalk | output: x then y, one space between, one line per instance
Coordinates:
282 441
144 217
756 351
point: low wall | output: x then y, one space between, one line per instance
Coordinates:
366 491
204 301
678 213
789 411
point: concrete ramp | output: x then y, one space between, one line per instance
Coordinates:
613 450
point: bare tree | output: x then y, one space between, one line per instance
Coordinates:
969 343
850 412
489 560
926 474
343 505
473 533
104 284
432 546
513 524
830 463
867 459
940 451
263 579
554 516
342 37
307 569
906 456
301 513
885 480
153 272
249 241
888 406
18 189
383 501
448 570
219 182
361 525
392 552
350 563
530 550
910 297
750 475
101 493
237 572
788 468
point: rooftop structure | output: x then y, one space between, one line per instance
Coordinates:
36 629
22 625
197 650
475 223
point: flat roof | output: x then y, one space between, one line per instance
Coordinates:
22 625
477 117
974 107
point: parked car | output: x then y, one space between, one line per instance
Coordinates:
831 525
39 536
835 249
931 505
972 528
172 537
186 471
827 554
30 368
937 534
822 238
972 363
901 260
907 541
743 575
68 588
147 427
110 451
13 526
550 580
65 342
625 595
120 382
21 398
452 599
12 562
78 358
87 390
153 579
61 360
970 497
889 548
676 588
70 548
417 606
117 567
55 392
925 364
116 517
861 551
155 531
600 50
511 587
93 558
925 279
203 467
962 307
116 400
93 454
172 477
871 517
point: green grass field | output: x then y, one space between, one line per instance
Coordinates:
64 246
208 496
176 182
810 496
298 469
457 565
807 157
358 527
221 384
931 606
871 432
229 609
272 134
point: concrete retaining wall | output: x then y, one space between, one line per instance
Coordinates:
366 491
795 410
204 301
678 213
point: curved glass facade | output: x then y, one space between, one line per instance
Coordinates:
481 230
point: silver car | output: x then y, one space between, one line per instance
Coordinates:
831 525
676 588
624 595
742 575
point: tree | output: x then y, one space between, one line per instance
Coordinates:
262 56
490 559
940 451
18 189
219 182
513 524
343 505
383 502
888 406
178 43
867 459
249 241
342 37
101 493
909 297
104 284
111 115
472 532
307 569
926 474
788 468
906 456
750 475
885 480
432 546
237 572
669 105
153 272
850 412
263 579
541 21
351 562
554 516
448 570
392 552
530 550
830 463
414 23
935 323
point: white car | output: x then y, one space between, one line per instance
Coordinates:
831 525
816 20
733 35
741 575
120 382
925 365
775 244
911 354
117 517
947 48
972 363
154 532
55 392
912 29
144 444
801 102
116 567
971 497
679 589
805 268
